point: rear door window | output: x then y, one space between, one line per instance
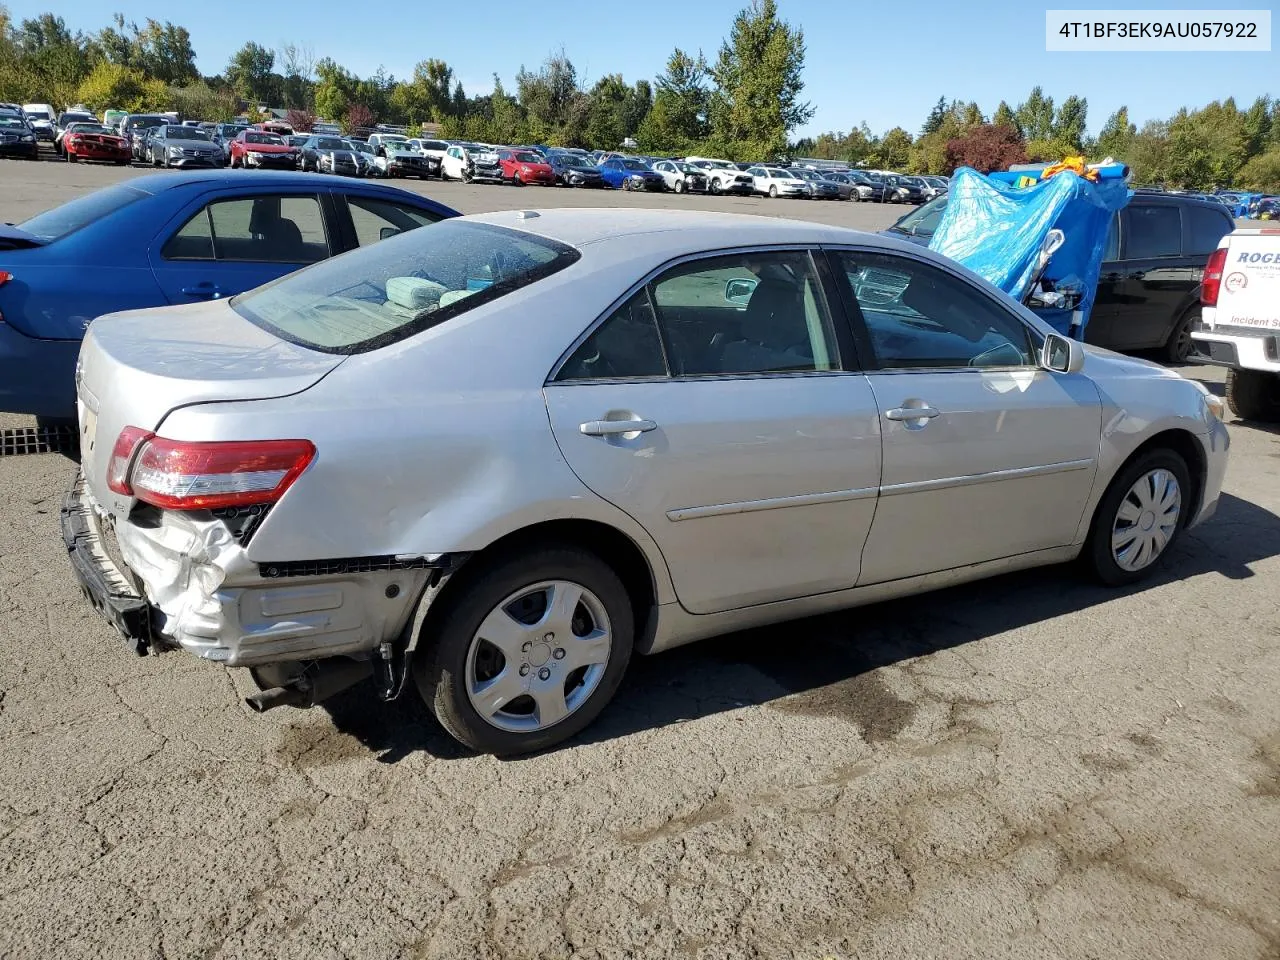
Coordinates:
1206 227
263 229
1152 231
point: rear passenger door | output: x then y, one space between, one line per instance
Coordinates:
225 244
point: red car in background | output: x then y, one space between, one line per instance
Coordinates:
256 148
93 141
525 166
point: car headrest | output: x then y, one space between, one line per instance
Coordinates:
453 296
414 293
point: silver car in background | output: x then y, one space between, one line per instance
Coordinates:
500 454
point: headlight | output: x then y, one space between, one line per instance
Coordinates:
1215 406
28 136
175 151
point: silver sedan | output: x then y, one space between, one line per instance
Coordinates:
501 454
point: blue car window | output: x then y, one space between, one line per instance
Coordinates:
376 220
918 317
76 214
194 241
264 229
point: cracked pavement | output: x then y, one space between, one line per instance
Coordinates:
1028 767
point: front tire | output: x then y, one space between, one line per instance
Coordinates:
528 650
1139 518
1254 395
773 193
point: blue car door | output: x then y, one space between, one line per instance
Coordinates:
231 240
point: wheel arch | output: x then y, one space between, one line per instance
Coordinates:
1182 442
614 547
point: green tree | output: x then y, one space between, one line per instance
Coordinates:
111 85
1069 122
1207 147
1258 121
335 89
1148 151
548 96
895 149
1116 137
971 116
1035 115
758 80
1262 173
1005 117
606 119
507 118
199 101
297 88
679 115
935 118
249 71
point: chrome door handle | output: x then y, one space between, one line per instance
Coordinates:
911 413
614 428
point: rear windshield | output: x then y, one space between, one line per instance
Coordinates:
70 217
383 293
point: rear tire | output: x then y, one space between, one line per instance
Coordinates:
1179 347
447 669
1131 514
1254 395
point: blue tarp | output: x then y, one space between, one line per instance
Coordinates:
996 230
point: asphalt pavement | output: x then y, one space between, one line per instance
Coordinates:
1033 766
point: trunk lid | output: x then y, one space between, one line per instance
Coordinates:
136 367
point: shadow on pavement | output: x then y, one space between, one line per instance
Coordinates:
823 665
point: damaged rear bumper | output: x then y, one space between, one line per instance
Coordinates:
185 579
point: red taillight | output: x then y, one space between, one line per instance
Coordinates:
1212 281
180 475
5 277
122 458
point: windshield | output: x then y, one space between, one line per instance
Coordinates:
362 146
230 129
392 138
633 165
36 114
267 138
184 133
383 293
525 157
783 175
87 128
138 123
80 212
922 221
68 118
332 143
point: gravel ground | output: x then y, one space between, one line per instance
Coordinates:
1027 767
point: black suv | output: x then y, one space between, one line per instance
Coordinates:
1149 284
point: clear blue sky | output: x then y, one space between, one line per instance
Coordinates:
856 68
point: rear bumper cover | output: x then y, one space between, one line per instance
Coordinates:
37 376
185 580
101 581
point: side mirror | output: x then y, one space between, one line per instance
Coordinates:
1062 354
388 232
739 290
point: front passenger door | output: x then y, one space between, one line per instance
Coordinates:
986 454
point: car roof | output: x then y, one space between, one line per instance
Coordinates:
673 233
285 180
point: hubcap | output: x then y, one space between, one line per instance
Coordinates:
1146 520
538 656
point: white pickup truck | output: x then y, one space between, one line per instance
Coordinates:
1240 320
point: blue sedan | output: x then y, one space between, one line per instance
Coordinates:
168 239
627 173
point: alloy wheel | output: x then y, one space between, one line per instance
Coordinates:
538 656
1146 520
